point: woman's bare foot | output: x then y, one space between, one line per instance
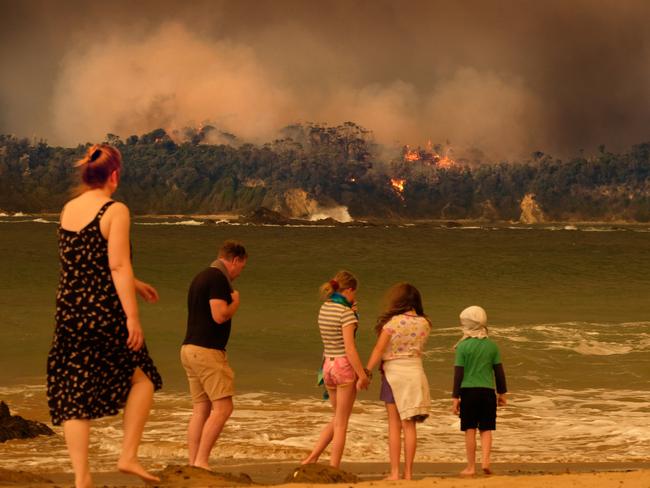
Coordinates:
309 460
135 468
468 471
487 470
202 466
392 477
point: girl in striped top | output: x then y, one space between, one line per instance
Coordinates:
343 371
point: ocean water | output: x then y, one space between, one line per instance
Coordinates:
568 306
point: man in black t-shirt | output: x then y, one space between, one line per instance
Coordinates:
211 304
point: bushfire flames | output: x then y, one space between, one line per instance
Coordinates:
411 156
398 186
429 156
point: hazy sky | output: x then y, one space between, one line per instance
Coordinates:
508 77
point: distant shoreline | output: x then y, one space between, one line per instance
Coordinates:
372 221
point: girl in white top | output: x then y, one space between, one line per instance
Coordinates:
342 367
402 331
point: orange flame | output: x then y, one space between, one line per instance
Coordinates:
398 185
411 156
446 163
429 157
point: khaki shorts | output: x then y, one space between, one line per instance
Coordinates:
208 373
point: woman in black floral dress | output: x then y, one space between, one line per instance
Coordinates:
99 362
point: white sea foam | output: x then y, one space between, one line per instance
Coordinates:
339 213
594 339
546 420
38 221
554 425
181 222
599 229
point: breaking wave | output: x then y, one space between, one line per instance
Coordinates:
550 425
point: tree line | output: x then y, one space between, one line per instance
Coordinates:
212 171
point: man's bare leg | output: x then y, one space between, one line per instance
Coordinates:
220 413
200 414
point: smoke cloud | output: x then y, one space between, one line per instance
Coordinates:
169 79
173 78
507 78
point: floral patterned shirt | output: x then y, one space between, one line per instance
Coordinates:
409 333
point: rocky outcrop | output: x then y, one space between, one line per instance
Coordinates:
16 427
298 204
319 473
531 213
488 212
263 215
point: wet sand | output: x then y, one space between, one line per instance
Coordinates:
443 475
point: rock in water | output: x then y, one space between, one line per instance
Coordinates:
319 473
16 427
263 215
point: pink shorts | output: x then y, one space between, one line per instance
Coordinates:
338 372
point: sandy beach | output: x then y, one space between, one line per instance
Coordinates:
442 475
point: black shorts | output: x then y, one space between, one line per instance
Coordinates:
478 409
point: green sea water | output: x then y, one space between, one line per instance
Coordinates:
520 276
568 306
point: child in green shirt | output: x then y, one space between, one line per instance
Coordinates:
476 370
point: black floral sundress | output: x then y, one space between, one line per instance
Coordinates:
89 368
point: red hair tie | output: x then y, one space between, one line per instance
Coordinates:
334 284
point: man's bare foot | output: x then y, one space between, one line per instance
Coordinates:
487 471
468 471
135 468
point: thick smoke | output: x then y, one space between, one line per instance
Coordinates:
168 79
506 78
173 78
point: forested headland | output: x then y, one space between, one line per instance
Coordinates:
205 171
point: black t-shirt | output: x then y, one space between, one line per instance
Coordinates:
202 330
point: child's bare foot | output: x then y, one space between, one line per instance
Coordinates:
83 481
468 471
487 470
134 467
